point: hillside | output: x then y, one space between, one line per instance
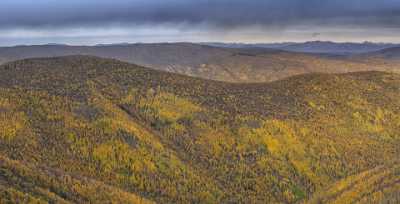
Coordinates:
383 183
75 125
247 64
387 54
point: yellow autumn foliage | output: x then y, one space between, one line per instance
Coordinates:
116 155
169 106
10 124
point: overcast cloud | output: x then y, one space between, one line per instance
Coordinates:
219 18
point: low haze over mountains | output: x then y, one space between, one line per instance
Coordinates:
316 47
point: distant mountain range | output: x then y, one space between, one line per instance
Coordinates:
238 63
315 46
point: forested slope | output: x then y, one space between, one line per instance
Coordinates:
86 129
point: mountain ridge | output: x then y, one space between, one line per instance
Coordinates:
223 64
317 47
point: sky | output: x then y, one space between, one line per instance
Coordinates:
88 22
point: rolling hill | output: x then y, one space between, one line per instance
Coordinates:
85 129
388 54
247 64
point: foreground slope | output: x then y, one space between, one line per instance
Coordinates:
249 64
380 184
72 126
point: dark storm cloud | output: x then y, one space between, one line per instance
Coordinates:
215 13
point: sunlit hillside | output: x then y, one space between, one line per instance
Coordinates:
241 65
82 129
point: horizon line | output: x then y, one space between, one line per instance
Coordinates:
200 43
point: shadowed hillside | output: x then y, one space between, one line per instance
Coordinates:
248 64
75 125
387 54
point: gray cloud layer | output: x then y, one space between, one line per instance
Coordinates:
223 14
